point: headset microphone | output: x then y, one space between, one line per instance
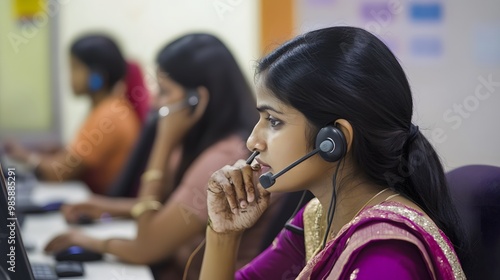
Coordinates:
268 179
191 100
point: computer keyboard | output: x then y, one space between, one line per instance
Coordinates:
43 271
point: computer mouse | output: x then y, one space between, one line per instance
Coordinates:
69 269
52 206
76 253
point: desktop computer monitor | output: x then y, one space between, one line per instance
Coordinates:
14 263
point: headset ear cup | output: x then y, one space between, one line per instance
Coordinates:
192 97
96 82
333 140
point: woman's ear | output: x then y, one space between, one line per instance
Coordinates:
202 105
347 130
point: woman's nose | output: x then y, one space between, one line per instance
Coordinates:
255 142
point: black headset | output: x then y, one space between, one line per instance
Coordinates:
330 145
331 142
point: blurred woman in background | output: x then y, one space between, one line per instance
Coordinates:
102 144
206 116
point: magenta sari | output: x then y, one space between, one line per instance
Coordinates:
386 241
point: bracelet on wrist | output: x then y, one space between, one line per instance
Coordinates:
144 206
151 176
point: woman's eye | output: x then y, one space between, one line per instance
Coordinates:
274 122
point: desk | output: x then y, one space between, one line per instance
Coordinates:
38 229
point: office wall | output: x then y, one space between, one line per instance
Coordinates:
142 27
25 73
450 51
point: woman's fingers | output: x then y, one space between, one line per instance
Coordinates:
230 196
221 181
247 174
70 212
234 202
237 184
59 243
236 179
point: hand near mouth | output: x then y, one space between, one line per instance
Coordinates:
235 200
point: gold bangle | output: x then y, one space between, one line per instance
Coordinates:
142 206
151 175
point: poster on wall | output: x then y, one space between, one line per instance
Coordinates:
413 30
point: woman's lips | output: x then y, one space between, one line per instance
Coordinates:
264 167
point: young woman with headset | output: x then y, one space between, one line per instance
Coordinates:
335 119
205 116
108 134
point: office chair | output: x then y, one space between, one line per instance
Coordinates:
127 182
476 192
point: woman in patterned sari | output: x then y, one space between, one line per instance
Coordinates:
381 210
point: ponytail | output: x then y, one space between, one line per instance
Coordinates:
422 180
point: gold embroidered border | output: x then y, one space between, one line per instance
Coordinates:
433 230
412 215
312 238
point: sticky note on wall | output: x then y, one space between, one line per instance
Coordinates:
426 12
379 12
486 43
26 9
426 46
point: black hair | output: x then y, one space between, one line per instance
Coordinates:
348 73
102 55
197 60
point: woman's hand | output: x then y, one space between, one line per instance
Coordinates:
63 241
176 125
92 209
16 151
181 116
235 202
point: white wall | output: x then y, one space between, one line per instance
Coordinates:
470 35
143 27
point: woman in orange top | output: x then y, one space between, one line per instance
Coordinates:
103 143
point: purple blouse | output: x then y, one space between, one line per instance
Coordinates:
283 259
404 256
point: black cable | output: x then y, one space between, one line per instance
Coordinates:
288 224
295 229
333 204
